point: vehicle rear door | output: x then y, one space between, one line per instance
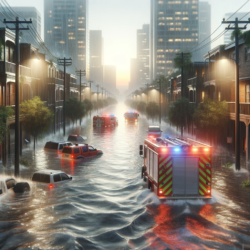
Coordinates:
92 151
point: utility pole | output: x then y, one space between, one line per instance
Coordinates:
81 73
90 89
147 84
17 90
160 101
237 105
97 86
64 62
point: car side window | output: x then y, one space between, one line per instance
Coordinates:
45 178
72 138
64 177
36 177
85 149
57 177
76 150
79 138
91 149
61 146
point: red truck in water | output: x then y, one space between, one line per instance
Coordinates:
105 121
131 116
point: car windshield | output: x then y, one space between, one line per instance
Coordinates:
67 150
79 138
51 145
154 129
131 115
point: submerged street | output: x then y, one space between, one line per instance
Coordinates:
108 206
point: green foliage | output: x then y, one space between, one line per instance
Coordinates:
152 110
211 115
227 165
234 33
246 36
74 109
22 79
246 184
88 105
181 112
24 162
186 64
5 113
36 117
141 107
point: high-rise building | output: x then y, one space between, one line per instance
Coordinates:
230 17
134 76
25 13
109 78
204 30
96 56
143 54
174 28
66 31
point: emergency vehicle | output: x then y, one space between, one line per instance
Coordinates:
105 121
154 131
131 116
80 151
178 169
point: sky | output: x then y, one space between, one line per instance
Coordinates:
119 20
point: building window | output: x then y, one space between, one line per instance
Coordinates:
247 93
247 54
219 96
202 95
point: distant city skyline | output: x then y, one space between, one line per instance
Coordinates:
127 16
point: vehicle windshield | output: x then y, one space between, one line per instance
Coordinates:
67 150
131 115
154 129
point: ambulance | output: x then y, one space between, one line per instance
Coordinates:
131 116
105 121
177 169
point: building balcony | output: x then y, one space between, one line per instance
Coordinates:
192 81
8 67
244 108
52 80
59 103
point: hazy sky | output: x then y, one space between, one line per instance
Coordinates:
119 20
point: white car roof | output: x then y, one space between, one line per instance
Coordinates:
49 171
60 141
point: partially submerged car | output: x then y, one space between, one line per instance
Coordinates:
50 177
77 139
56 146
154 131
11 183
80 151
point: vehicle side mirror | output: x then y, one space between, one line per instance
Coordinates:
95 149
70 178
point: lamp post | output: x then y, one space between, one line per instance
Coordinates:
97 86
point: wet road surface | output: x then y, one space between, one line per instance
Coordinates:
107 205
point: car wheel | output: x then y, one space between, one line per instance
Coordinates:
21 187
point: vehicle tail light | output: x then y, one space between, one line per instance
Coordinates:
50 186
206 149
160 191
164 150
195 149
209 191
72 156
61 154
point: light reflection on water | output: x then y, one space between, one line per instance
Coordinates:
107 205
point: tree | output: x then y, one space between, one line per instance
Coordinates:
186 64
152 110
211 116
141 107
5 113
74 109
36 117
233 34
181 113
88 105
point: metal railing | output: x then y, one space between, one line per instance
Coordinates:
55 80
59 103
209 76
8 67
244 108
192 81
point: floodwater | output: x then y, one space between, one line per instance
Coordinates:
107 204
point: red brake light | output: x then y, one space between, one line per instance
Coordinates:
195 149
51 186
164 150
160 191
62 154
206 149
209 191
72 156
